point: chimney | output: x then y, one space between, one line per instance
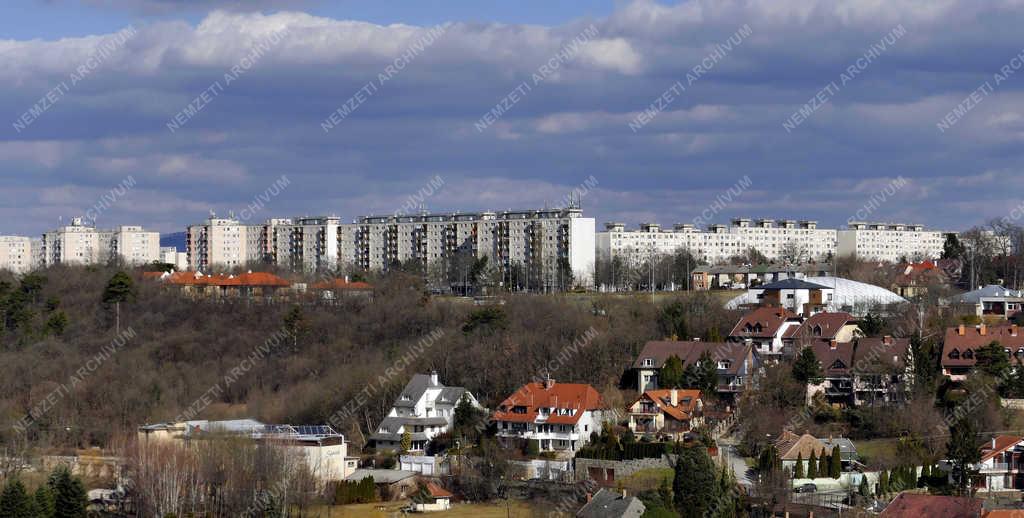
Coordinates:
589 497
549 382
623 492
993 443
960 330
346 282
433 379
832 344
982 330
1013 329
675 397
887 339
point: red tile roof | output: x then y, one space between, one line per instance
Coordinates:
762 322
932 506
687 400
342 284
244 279
1002 443
1008 335
578 396
830 324
152 275
437 491
836 359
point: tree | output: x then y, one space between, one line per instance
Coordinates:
872 324
863 488
952 248
295 325
45 505
120 288
696 486
883 483
835 466
69 495
798 471
823 464
406 443
806 367
57 323
671 374
812 466
707 374
15 502
468 419
963 453
992 359
673 321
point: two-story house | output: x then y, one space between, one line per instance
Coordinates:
425 409
735 363
962 342
763 328
824 327
865 371
559 416
1002 464
666 413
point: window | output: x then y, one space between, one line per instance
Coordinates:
968 354
648 362
954 354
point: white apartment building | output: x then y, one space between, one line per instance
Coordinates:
81 243
891 242
171 255
424 409
224 243
16 254
306 243
533 239
719 242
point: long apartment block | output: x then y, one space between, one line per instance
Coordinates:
544 240
777 240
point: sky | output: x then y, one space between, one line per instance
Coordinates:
156 112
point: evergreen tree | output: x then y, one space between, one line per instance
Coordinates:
15 502
883 483
952 248
696 486
812 466
120 288
863 487
798 471
671 374
44 501
69 495
962 452
673 321
992 359
707 374
295 325
835 465
806 367
823 461
406 443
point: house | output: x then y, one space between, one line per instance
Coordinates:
797 295
991 301
335 289
1002 464
735 363
865 371
666 413
962 342
391 484
824 327
933 506
792 447
559 416
742 276
425 408
431 497
847 451
763 328
912 280
245 285
612 504
324 450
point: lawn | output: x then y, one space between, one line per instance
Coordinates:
875 450
389 509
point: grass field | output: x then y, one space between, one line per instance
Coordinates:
389 509
876 450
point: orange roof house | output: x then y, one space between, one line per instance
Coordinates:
337 288
245 284
561 416
667 412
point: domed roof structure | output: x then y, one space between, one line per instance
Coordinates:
855 297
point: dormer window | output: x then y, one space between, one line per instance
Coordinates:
954 354
817 330
838 364
758 328
648 362
968 354
406 397
724 364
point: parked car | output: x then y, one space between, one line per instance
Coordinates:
806 488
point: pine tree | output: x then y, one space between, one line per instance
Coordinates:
406 443
962 452
15 502
883 483
44 501
671 374
120 288
798 471
69 495
806 368
696 486
812 466
863 487
823 469
707 374
835 465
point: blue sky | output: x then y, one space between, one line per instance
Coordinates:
824 105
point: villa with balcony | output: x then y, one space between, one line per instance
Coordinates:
666 413
1002 465
962 342
735 363
424 409
559 416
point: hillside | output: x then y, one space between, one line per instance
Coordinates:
176 356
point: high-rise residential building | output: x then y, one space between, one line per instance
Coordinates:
16 254
307 243
892 242
543 244
82 243
799 241
171 255
224 243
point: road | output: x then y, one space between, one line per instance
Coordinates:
744 475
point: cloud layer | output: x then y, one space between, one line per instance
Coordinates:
551 135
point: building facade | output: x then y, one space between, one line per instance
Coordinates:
890 242
16 254
82 243
424 409
224 243
559 416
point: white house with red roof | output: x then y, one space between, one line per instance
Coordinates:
1002 464
560 416
666 412
764 328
